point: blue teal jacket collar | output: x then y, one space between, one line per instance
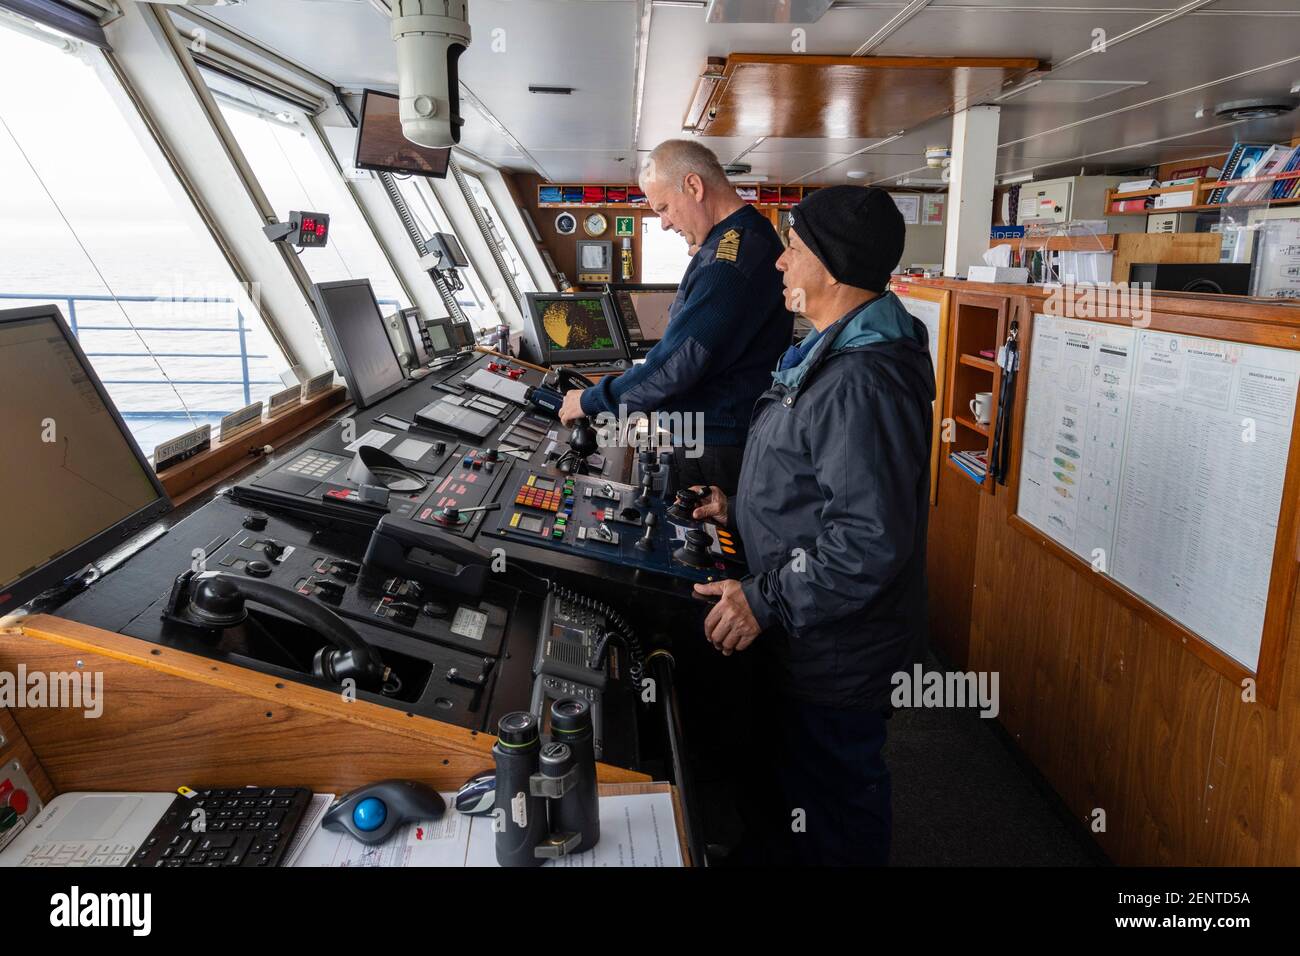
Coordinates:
883 319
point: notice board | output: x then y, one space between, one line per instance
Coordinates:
1159 458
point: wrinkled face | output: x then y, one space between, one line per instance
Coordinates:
680 210
803 275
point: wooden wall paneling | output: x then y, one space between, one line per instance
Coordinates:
950 564
17 747
1134 247
173 718
564 249
1171 716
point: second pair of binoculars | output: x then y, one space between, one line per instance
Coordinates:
546 801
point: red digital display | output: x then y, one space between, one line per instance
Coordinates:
313 229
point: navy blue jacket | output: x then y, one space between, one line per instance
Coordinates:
726 329
832 507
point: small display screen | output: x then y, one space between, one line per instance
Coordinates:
313 231
462 335
439 340
544 484
646 314
530 523
574 324
382 145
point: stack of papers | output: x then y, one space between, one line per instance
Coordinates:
636 830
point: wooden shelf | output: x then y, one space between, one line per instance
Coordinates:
1100 243
972 425
979 361
1208 207
947 460
1256 180
1200 184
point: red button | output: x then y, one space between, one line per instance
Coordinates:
19 801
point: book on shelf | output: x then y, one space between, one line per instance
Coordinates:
1189 173
969 463
1288 188
1242 163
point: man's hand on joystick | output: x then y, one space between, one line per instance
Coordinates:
712 505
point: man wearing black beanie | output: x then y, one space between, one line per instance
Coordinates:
832 506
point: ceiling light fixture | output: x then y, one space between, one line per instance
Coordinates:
1260 107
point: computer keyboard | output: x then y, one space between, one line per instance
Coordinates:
247 826
78 853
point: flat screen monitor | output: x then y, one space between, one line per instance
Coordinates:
462 335
575 327
75 483
440 340
643 311
382 145
358 340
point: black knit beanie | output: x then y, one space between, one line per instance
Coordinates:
856 232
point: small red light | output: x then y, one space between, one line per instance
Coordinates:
320 230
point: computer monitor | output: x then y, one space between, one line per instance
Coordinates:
382 145
75 483
440 337
358 340
643 311
575 327
462 335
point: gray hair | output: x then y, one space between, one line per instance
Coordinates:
674 159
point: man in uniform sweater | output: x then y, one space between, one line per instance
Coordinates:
727 326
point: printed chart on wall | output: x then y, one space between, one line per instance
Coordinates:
930 314
1159 459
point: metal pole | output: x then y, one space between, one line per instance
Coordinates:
662 665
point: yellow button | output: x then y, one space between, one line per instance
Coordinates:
514 520
726 549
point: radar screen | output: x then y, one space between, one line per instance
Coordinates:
576 325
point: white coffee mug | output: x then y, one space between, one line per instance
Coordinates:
981 406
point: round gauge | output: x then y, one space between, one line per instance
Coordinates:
595 225
566 223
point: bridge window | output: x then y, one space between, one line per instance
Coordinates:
93 220
664 255
429 217
500 235
293 166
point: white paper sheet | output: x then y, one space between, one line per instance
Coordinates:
1160 460
928 312
440 842
635 830
374 438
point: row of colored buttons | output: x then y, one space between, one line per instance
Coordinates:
545 500
726 542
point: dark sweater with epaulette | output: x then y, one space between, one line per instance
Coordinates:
726 330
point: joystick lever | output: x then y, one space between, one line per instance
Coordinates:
683 509
647 489
646 541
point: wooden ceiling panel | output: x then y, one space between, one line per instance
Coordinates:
841 97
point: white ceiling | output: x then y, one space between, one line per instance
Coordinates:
1178 55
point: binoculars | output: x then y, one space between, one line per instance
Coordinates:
546 805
